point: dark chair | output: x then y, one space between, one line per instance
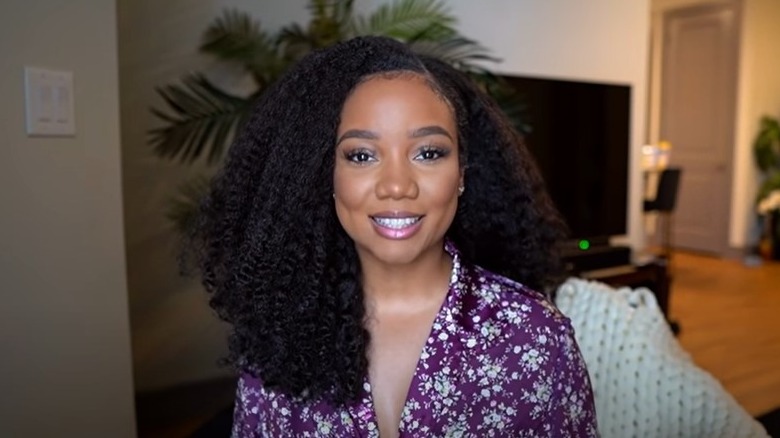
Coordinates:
664 203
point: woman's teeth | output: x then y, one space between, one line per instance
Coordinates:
396 223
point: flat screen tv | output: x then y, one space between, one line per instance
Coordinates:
579 135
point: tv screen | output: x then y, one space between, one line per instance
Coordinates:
579 135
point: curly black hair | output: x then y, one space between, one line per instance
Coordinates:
277 263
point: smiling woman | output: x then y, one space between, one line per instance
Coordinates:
396 192
382 243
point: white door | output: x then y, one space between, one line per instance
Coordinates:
698 96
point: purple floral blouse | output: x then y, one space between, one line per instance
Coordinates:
500 361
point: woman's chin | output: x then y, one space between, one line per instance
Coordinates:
393 254
397 252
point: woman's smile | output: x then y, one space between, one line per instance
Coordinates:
397 225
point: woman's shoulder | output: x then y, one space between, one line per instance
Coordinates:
517 309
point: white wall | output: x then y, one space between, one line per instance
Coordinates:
64 333
175 339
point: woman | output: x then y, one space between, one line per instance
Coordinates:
376 239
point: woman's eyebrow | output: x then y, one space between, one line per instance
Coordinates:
430 130
358 133
417 133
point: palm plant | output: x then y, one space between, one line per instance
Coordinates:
199 119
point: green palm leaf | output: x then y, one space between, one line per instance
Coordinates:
320 8
462 53
766 147
328 24
184 206
769 185
199 117
338 11
406 20
296 42
434 32
342 10
235 37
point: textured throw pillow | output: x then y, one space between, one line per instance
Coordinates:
644 383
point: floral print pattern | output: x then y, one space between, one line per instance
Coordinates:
500 361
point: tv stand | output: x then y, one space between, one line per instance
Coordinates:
653 275
596 257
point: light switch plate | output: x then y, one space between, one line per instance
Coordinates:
49 102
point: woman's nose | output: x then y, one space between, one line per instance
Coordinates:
397 180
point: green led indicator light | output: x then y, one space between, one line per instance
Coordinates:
584 245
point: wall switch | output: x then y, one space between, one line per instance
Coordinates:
49 101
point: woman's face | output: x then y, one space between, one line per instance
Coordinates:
397 173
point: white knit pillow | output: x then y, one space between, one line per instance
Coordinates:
644 383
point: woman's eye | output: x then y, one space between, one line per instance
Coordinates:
430 154
359 157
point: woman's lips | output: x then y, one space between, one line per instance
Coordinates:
396 226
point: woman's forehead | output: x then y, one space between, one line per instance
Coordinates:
399 79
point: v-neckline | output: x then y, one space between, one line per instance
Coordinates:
369 414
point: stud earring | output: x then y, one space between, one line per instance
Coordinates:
461 189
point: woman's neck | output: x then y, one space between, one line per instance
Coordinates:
416 285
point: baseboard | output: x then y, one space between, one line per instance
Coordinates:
734 253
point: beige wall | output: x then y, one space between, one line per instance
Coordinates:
175 338
64 334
